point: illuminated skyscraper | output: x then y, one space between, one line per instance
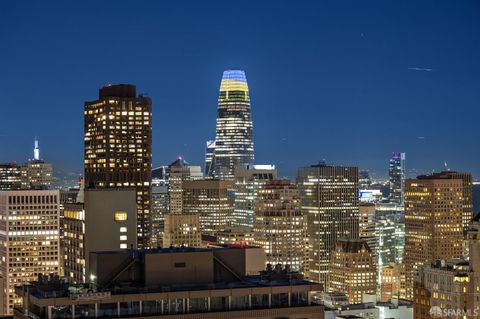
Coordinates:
209 149
118 147
329 199
352 269
433 222
178 172
279 224
30 240
248 180
234 136
11 176
212 200
396 173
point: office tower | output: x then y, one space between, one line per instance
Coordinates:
160 176
238 235
37 174
10 176
29 236
248 180
118 147
352 269
178 283
390 282
160 208
329 199
396 173
447 289
467 194
433 222
178 172
105 220
389 233
367 221
209 151
364 180
234 136
212 200
182 230
160 204
279 224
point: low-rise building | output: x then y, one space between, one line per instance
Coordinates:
176 283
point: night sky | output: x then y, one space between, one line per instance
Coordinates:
347 81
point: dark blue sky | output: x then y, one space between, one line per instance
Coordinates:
342 80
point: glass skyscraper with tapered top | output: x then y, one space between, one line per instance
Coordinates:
234 136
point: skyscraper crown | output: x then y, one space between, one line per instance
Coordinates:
234 75
234 80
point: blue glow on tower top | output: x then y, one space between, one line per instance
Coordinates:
234 75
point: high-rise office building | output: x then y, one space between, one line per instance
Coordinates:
29 240
178 172
396 173
467 194
118 147
433 222
352 269
234 129
248 180
390 282
182 230
367 221
212 200
329 199
364 180
37 174
160 203
389 233
11 176
279 224
209 150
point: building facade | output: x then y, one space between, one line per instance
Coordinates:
234 128
106 220
352 270
367 221
329 199
433 222
29 240
118 147
248 180
212 200
11 177
178 172
396 173
176 283
279 224
182 230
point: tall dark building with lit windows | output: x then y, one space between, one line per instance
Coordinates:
329 200
118 147
234 136
396 172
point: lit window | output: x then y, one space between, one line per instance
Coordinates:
123 237
123 229
120 216
123 246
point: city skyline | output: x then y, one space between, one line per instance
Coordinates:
353 74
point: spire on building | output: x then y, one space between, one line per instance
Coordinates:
36 150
